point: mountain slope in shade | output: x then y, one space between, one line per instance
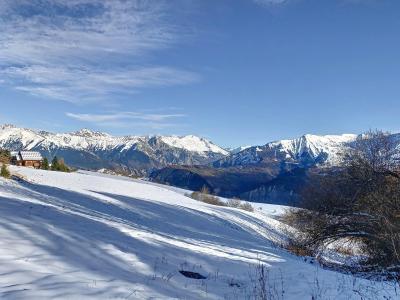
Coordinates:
95 150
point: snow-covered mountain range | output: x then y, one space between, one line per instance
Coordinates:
305 150
96 150
273 173
141 155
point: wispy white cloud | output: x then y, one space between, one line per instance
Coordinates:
128 119
80 50
76 84
270 2
280 2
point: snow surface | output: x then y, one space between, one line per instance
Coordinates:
98 236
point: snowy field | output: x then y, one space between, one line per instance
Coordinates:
92 236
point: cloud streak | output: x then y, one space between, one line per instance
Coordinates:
281 2
128 119
270 2
85 50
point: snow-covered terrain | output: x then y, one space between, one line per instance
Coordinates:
97 236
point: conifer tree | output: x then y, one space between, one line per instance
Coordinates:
4 172
54 164
59 165
45 164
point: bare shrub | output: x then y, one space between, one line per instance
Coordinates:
234 203
237 203
265 287
206 198
359 202
246 206
205 190
297 247
212 200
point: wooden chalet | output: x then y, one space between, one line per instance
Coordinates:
32 159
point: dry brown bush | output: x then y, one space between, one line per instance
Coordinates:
359 202
234 203
246 206
206 198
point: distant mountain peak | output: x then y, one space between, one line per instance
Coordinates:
5 126
193 143
85 132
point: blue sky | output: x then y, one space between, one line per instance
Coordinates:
239 72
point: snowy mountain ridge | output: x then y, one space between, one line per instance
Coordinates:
314 145
308 148
135 155
88 139
141 155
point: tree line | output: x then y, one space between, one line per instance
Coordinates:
57 164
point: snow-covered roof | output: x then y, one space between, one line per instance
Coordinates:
29 155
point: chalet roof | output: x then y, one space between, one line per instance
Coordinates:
27 155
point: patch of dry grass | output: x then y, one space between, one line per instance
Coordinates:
205 197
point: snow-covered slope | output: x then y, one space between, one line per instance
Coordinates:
96 150
96 236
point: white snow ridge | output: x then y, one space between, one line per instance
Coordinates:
85 235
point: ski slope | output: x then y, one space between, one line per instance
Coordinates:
95 236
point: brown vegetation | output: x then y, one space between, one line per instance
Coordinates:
4 172
359 202
5 156
205 196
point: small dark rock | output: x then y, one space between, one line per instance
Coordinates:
234 284
192 275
